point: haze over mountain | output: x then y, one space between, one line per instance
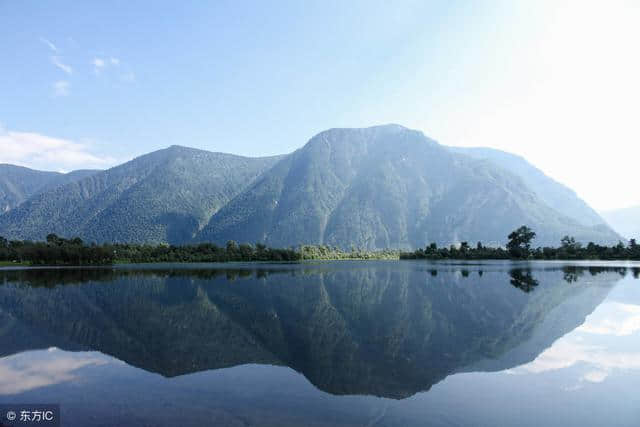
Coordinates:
388 187
556 195
18 183
379 187
625 221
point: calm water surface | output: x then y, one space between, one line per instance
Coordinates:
337 344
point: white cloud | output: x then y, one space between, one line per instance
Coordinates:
61 88
98 64
589 348
38 151
55 60
41 368
567 352
621 320
595 376
49 44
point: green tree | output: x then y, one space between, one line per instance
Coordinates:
520 242
232 246
569 243
53 239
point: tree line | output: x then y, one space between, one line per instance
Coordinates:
60 251
519 246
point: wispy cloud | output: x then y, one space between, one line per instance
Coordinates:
39 151
61 88
55 60
100 64
51 46
104 64
116 68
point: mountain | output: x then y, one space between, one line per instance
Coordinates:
557 196
164 196
379 187
388 187
380 329
625 221
18 183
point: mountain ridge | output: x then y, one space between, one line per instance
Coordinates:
124 203
19 183
384 186
555 194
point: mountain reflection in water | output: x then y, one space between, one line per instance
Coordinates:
388 329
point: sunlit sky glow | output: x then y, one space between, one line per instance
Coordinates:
90 84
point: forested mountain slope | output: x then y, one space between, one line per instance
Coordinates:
164 196
18 183
388 187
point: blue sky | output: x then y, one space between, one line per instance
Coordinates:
91 84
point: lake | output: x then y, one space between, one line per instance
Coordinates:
351 343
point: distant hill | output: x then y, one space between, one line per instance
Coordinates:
164 196
557 196
388 187
18 183
379 187
625 221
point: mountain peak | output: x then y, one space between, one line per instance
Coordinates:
390 134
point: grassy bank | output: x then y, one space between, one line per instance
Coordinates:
14 264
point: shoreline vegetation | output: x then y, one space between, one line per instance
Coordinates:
519 247
60 251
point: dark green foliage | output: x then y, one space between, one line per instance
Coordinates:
55 251
523 279
519 244
204 252
59 251
519 247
